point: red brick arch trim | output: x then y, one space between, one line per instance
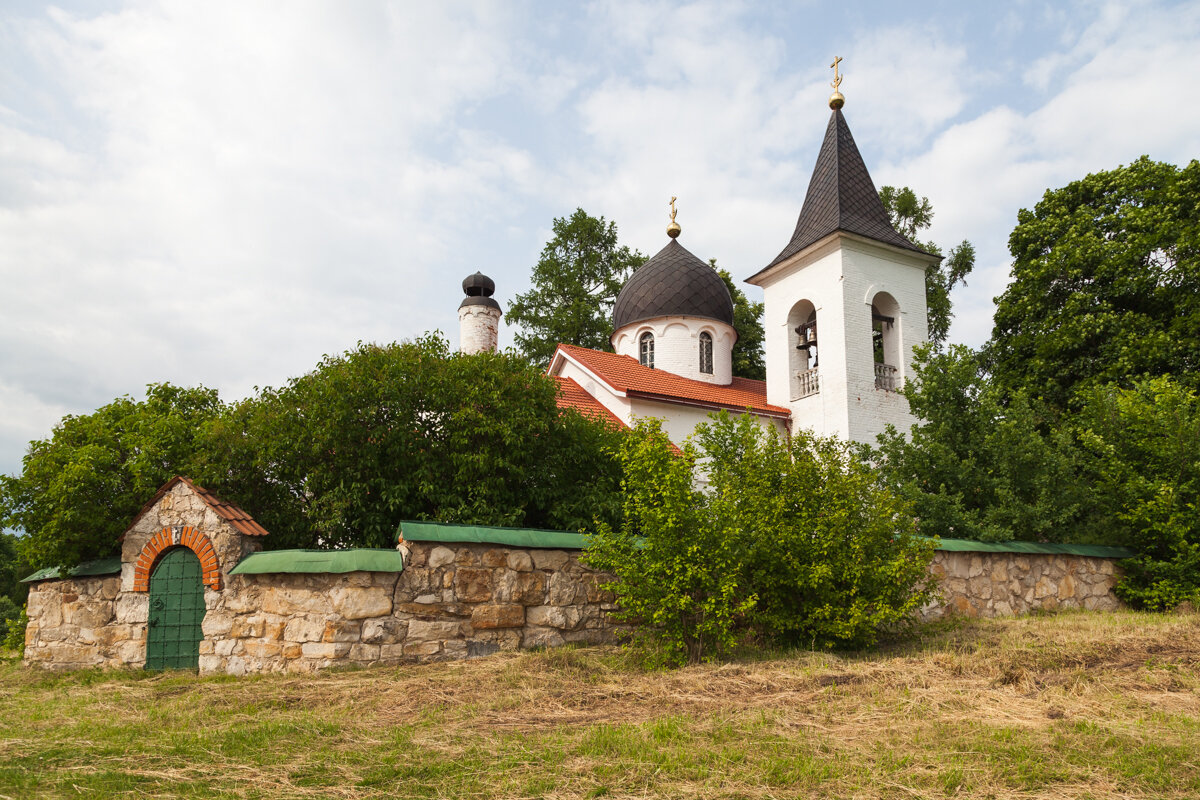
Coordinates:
184 535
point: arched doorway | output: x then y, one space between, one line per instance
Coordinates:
176 611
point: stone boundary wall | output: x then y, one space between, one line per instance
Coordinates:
1000 584
451 601
460 601
80 622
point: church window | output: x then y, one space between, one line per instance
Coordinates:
646 350
706 366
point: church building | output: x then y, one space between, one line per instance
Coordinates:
844 307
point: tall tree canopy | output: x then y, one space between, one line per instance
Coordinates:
379 434
747 321
79 489
982 465
1105 284
336 458
910 215
575 283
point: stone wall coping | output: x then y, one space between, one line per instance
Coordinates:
1033 548
102 566
414 531
320 561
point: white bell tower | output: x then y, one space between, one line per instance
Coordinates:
844 302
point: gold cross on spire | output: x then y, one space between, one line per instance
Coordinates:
673 229
836 100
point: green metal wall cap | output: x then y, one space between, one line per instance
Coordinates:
318 561
482 534
103 566
1033 548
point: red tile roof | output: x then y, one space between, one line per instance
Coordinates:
626 375
239 519
572 395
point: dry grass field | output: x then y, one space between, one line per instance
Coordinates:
1068 706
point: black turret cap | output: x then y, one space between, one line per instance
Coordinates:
478 289
478 285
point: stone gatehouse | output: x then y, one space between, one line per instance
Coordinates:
193 589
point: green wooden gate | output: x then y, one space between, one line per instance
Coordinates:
176 611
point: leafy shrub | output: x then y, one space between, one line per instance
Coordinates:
1144 445
336 458
677 577
410 430
789 543
14 635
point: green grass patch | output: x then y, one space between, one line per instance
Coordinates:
1073 706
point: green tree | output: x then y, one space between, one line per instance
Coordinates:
338 457
1144 448
791 543
747 321
12 569
79 489
910 215
575 283
1105 284
982 465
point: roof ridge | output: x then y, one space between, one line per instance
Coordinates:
231 513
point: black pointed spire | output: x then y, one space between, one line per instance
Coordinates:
841 197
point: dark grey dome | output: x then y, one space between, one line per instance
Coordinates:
478 289
478 285
674 283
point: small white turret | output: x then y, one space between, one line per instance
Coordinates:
478 316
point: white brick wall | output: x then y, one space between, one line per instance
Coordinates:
841 277
477 329
677 346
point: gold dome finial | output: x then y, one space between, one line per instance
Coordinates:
673 229
836 100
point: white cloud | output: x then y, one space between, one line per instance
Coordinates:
256 188
220 193
1101 114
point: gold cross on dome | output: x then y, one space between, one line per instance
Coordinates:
837 79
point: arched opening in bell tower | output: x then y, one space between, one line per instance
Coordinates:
885 341
803 352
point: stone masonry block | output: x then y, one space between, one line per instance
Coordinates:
498 616
361 603
520 561
440 557
473 585
553 560
424 631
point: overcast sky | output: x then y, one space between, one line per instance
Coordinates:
219 193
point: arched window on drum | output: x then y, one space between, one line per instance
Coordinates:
646 350
706 353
